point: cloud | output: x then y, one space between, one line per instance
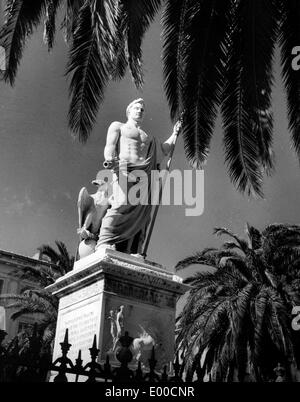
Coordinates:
67 195
59 195
17 204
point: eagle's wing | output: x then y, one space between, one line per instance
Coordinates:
85 204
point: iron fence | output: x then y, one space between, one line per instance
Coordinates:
34 367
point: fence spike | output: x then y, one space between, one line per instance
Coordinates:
65 345
79 359
139 373
94 351
164 376
107 369
177 367
152 360
66 339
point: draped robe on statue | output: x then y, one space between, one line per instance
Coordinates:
124 224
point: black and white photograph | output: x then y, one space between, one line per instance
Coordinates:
149 189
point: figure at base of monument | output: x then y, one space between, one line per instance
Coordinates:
144 342
116 326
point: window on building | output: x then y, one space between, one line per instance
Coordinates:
1 285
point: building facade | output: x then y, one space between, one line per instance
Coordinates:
11 283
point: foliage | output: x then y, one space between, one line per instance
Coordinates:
215 54
37 302
237 319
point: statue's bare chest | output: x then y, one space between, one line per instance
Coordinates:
136 135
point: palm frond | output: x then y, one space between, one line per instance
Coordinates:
113 26
203 63
207 257
247 93
90 70
241 312
289 38
44 276
48 251
242 244
260 306
71 16
22 18
44 294
255 237
50 22
174 39
137 16
65 260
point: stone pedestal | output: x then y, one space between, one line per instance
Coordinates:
110 292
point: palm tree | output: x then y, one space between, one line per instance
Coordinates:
38 302
237 319
215 54
61 259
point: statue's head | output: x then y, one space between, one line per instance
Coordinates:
136 109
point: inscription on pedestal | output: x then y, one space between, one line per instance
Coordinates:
81 294
83 323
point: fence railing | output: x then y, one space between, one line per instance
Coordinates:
35 368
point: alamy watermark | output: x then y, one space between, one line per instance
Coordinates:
296 59
159 187
2 59
296 320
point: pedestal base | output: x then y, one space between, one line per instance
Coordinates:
109 293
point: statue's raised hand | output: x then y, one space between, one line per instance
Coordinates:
177 127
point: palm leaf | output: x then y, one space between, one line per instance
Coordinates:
22 18
49 252
242 244
90 73
207 257
289 38
203 56
261 302
247 92
70 20
50 22
255 237
174 39
240 313
137 16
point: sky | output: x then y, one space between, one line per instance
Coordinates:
43 168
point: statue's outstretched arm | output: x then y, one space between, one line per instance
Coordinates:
169 143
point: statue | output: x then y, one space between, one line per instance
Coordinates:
128 151
91 210
116 326
144 342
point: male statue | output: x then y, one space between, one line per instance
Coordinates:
128 151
